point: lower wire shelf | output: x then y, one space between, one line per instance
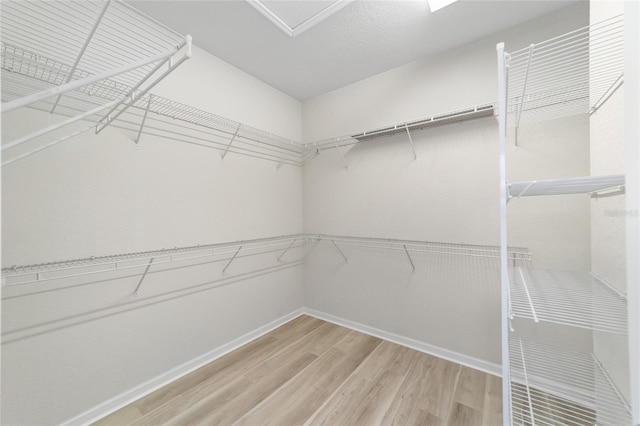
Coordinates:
555 386
573 298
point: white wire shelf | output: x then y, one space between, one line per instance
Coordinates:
451 117
17 275
572 298
555 386
570 74
567 186
453 249
28 274
60 29
24 72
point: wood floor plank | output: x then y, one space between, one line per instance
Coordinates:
471 388
124 416
295 402
221 371
461 415
492 409
316 372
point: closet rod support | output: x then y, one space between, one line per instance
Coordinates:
409 256
83 49
232 258
76 84
58 125
413 147
287 249
231 141
132 92
144 274
144 118
340 251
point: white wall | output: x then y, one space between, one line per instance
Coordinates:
608 215
69 346
449 194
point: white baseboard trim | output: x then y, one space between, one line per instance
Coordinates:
478 364
126 398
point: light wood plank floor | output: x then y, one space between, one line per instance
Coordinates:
311 372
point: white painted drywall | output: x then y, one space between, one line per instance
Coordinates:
69 346
609 215
449 194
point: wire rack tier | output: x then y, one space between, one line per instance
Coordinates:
567 186
570 74
33 62
572 298
453 249
557 386
27 274
406 127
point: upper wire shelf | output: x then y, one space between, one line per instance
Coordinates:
567 186
570 74
35 60
552 386
451 117
572 298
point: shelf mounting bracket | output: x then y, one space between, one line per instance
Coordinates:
346 166
524 90
232 259
144 274
231 141
84 48
340 251
314 244
413 147
144 118
287 249
409 256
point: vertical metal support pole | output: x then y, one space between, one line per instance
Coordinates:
504 275
632 183
84 48
346 166
413 147
287 249
144 118
144 274
232 258
340 251
409 256
524 90
231 141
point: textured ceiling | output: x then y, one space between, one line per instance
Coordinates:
362 39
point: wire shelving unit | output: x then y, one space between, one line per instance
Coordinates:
349 141
572 74
106 35
552 385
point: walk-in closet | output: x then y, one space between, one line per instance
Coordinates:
342 212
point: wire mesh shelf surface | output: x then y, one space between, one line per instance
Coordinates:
551 386
566 75
15 275
60 29
572 298
574 185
